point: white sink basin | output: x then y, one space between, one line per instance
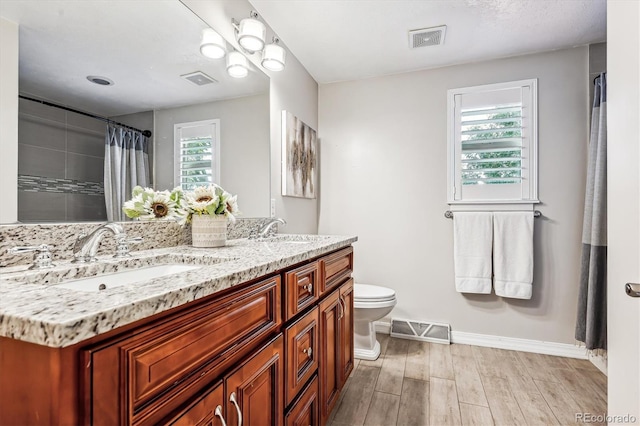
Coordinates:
117 279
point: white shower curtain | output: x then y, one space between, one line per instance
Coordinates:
126 164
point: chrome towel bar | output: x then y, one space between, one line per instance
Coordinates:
449 214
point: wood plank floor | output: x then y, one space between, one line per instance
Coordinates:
419 383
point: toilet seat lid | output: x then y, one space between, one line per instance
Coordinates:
366 292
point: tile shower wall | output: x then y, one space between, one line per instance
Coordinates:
60 165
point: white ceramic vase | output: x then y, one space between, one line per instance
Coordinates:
208 230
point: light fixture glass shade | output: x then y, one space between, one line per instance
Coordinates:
273 57
212 45
237 65
251 34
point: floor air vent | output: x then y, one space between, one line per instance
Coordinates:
420 330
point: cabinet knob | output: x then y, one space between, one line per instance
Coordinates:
308 351
309 288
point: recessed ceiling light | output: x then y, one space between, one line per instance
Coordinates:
102 81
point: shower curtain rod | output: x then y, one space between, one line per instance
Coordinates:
449 214
146 133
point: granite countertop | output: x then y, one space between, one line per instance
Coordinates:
34 309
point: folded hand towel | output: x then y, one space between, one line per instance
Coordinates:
513 254
472 238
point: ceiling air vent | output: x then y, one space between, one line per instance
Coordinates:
199 78
433 36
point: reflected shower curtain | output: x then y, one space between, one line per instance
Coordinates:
126 164
591 324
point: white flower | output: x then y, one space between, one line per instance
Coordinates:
203 199
231 203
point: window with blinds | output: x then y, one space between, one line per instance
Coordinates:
197 154
492 143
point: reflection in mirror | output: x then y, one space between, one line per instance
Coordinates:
151 52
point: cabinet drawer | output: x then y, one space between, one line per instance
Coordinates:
335 269
305 410
301 349
301 289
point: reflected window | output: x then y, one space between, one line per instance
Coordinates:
197 153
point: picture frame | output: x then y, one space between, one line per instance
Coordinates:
299 158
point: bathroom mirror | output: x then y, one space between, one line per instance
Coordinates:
150 50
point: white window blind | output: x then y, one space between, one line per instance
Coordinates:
197 153
492 143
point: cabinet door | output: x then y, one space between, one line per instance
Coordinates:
206 411
304 411
346 331
331 312
254 391
301 360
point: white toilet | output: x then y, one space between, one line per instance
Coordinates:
370 303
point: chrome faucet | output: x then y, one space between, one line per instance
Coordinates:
267 229
86 246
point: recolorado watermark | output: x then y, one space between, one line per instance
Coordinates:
605 418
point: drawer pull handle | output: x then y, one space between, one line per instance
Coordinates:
309 288
218 413
308 351
233 400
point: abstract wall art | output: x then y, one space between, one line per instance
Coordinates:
299 157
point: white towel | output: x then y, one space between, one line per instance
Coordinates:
472 235
513 254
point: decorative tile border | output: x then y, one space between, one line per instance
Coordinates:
65 186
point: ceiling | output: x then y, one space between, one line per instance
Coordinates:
144 46
354 39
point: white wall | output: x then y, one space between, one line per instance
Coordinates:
9 120
383 168
292 89
244 148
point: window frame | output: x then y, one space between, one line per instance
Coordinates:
454 168
215 148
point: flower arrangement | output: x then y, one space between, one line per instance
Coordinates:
147 204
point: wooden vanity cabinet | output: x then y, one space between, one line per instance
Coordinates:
209 362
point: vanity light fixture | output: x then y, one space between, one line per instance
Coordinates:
251 33
237 65
273 56
212 45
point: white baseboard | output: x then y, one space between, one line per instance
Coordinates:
511 343
600 362
382 327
